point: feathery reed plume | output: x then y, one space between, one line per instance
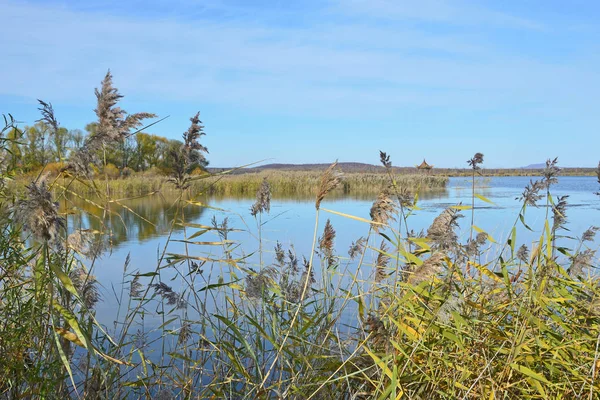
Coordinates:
476 161
279 254
589 234
383 210
185 333
559 213
473 246
580 261
405 197
531 195
384 158
330 179
441 232
550 172
293 261
381 263
263 199
326 243
84 242
189 155
308 274
86 286
430 268
167 293
356 247
257 284
523 253
192 149
135 287
48 116
38 213
114 125
376 330
481 238
222 228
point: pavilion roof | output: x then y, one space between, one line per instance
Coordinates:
424 165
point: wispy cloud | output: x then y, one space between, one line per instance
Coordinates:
341 66
372 60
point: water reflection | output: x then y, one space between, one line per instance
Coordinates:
147 217
138 219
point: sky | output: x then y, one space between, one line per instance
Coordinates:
315 81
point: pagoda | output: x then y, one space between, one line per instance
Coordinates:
424 166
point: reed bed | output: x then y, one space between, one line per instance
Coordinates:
298 184
398 315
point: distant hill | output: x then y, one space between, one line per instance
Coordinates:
356 167
348 167
535 166
345 166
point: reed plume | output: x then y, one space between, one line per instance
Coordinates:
167 293
580 261
326 243
189 155
475 161
473 246
135 287
523 254
559 216
279 254
382 263
113 126
263 199
531 195
38 214
441 232
356 247
86 286
384 158
550 172
48 116
330 179
257 284
191 147
430 268
589 234
383 210
84 242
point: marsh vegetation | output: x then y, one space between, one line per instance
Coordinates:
434 315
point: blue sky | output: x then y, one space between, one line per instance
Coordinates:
317 81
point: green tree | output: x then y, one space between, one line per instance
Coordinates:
34 149
60 140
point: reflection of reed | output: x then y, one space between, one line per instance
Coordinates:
157 210
428 194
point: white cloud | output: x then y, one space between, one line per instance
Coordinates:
335 65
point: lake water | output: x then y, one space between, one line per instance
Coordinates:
291 222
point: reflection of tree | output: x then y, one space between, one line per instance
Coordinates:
158 211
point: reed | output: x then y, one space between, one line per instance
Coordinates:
274 324
293 184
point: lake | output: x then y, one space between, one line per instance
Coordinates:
291 222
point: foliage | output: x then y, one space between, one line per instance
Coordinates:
428 319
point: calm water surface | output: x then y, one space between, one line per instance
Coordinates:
291 222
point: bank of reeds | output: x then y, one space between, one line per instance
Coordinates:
300 184
417 316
